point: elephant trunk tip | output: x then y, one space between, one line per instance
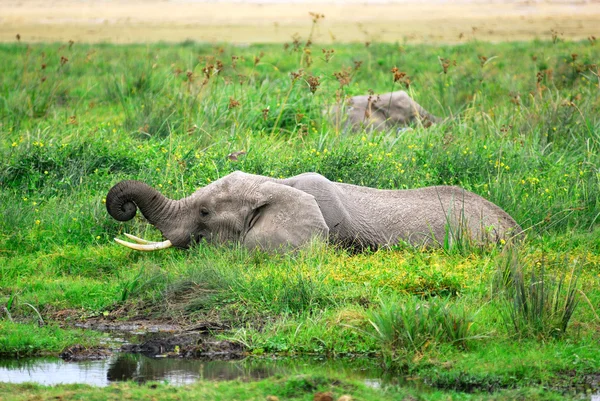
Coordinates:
119 202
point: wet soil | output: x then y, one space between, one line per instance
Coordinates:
189 345
565 382
135 327
157 339
578 383
78 353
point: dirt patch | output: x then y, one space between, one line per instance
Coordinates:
78 352
566 382
130 21
158 339
572 381
137 327
140 326
189 345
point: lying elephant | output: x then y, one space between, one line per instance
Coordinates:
272 213
383 112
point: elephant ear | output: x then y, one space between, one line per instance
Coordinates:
283 217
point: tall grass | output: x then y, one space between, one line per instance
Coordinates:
537 303
521 130
406 327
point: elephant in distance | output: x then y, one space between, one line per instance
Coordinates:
381 112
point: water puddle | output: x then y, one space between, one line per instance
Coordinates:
180 371
139 368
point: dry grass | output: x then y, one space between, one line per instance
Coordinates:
152 21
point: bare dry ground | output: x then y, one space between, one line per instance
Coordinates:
129 21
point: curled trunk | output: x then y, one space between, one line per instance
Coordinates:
126 197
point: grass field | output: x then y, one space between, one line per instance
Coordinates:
521 129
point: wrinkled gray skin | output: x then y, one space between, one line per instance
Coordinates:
382 112
269 213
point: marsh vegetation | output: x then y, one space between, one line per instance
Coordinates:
521 129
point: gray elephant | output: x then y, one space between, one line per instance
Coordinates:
382 112
267 213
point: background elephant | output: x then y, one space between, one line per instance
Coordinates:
270 213
382 112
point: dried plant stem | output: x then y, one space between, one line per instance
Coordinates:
8 313
589 303
36 311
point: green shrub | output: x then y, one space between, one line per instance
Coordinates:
406 327
535 303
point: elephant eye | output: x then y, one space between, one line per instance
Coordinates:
204 212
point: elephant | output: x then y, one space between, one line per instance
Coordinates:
272 214
383 112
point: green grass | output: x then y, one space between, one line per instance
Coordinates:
25 339
522 130
289 388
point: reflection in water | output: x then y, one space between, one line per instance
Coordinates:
51 371
138 368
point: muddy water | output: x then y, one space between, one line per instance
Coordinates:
139 368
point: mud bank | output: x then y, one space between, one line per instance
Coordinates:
156 339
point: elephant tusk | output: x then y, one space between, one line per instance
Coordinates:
153 246
140 240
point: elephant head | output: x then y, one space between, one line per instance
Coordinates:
253 210
382 112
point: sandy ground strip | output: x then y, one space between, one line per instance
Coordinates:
131 21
